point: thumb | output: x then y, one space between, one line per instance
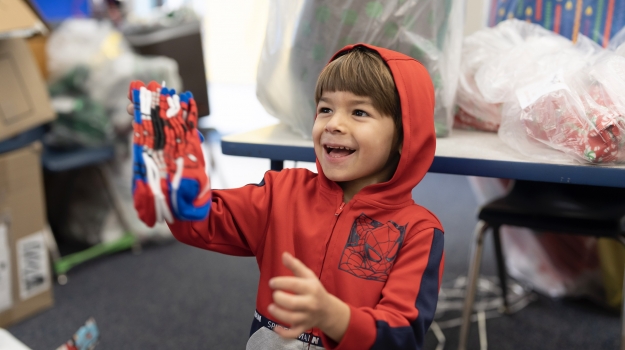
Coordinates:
296 266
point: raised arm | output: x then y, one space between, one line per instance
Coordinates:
170 181
237 221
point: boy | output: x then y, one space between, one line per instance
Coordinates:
347 259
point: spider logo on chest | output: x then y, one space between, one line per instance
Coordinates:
372 248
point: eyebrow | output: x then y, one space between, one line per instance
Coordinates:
361 102
324 99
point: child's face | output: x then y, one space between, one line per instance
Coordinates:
353 141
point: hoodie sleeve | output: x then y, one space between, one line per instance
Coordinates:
402 317
236 223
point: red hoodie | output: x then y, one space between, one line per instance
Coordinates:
380 253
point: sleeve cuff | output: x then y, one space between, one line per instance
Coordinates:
360 333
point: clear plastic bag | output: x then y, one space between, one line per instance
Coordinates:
110 65
516 64
495 61
617 40
302 35
578 112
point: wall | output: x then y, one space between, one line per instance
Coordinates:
234 31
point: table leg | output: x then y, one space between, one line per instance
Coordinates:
277 164
472 281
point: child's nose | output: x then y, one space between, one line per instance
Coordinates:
336 123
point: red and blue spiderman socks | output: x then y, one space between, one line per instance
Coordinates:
191 192
169 173
141 192
154 157
150 189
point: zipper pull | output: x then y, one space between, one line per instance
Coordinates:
339 210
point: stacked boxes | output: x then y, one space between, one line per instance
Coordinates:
25 273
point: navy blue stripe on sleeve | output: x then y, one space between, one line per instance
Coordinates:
428 293
413 337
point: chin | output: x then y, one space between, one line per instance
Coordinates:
337 177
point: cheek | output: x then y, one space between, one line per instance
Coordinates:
317 128
380 141
377 139
316 135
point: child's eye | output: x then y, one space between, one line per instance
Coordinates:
360 113
324 110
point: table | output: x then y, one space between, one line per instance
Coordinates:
473 153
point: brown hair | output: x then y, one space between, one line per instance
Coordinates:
362 72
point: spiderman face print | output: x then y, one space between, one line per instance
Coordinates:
372 248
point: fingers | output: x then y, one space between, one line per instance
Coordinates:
291 302
287 316
130 109
297 320
296 266
295 285
292 333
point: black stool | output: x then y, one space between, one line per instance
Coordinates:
560 208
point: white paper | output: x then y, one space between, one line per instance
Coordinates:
9 342
6 295
529 94
33 267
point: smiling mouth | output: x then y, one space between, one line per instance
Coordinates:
339 151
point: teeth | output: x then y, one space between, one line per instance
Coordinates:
347 148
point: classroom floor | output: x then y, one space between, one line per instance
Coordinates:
173 296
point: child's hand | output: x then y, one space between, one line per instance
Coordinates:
303 302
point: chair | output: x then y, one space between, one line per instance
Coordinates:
559 208
66 160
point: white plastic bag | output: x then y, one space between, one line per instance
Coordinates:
302 35
110 63
496 60
578 110
617 40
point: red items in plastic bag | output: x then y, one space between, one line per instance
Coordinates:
580 121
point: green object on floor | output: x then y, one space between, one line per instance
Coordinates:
612 262
67 262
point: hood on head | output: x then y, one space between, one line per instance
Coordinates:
416 95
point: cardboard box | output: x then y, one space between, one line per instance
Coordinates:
17 19
25 271
37 44
24 99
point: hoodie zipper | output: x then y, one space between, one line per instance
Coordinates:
337 213
336 219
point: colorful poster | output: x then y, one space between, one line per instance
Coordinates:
599 20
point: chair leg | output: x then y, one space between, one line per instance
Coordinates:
622 240
501 269
472 280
